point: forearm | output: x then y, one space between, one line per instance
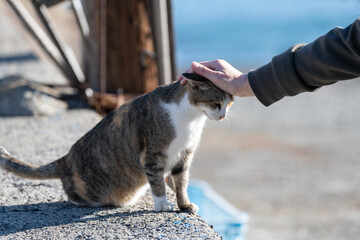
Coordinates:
332 57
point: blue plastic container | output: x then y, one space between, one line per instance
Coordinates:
227 220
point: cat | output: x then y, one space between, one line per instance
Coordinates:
135 146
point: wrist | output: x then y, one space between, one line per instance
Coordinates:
244 88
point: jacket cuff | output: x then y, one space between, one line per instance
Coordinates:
278 79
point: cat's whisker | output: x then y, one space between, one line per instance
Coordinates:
231 114
228 122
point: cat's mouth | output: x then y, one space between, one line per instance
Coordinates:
213 118
207 115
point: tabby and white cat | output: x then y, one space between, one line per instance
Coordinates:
136 144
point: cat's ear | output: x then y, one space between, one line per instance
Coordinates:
195 77
199 85
197 81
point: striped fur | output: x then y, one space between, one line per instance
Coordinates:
134 146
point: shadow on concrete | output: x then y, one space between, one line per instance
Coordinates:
23 97
19 218
25 57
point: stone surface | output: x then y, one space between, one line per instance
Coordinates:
21 97
33 209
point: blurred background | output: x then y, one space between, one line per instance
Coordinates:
294 166
249 33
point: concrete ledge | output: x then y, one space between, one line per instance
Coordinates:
32 209
62 220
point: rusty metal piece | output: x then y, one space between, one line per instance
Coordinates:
106 102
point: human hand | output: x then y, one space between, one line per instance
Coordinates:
223 75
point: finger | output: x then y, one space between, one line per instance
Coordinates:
181 77
213 75
214 64
204 71
183 81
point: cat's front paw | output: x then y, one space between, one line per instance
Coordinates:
164 206
189 207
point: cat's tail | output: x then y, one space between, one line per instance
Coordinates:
11 164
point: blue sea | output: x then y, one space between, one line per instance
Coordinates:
248 33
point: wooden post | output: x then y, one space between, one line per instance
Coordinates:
129 49
65 51
163 48
43 40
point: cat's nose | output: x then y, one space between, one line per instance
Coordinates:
221 117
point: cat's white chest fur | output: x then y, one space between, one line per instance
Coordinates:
188 122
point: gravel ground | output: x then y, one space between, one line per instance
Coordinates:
32 209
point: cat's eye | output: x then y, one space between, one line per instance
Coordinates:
213 103
218 105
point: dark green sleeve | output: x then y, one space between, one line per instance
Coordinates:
303 68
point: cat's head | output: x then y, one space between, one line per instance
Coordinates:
210 99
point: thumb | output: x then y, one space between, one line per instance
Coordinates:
204 71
